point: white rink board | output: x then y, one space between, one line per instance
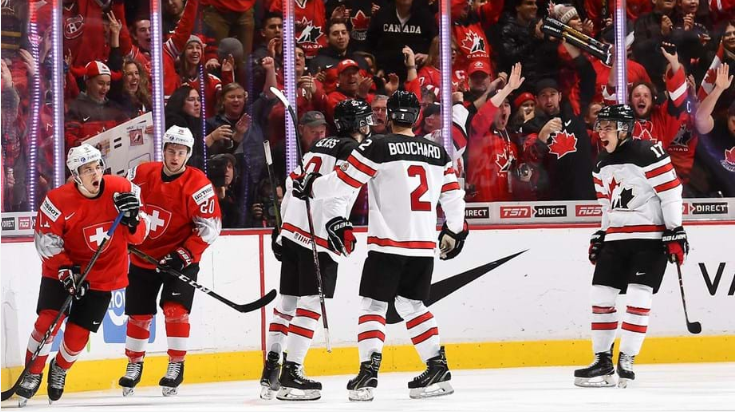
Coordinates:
540 295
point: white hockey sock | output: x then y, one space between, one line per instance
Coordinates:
421 325
371 327
636 319
283 312
604 319
302 327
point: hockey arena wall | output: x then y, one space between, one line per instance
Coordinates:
531 310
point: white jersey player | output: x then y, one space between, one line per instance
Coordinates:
406 177
642 227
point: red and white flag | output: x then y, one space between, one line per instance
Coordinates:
709 81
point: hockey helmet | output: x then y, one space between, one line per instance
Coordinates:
351 116
81 155
622 114
179 135
403 107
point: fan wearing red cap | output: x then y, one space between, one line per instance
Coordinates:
350 85
97 77
523 106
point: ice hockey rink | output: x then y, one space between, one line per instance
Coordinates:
681 387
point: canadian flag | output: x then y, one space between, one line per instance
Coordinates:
709 80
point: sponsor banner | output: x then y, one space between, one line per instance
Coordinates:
18 223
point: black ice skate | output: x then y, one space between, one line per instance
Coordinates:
270 376
295 386
361 387
173 378
133 373
599 374
435 381
28 387
625 369
56 381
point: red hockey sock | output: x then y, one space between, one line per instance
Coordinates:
177 330
137 334
43 323
75 339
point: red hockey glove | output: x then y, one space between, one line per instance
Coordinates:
68 276
676 246
340 236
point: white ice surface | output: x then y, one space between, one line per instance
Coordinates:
683 387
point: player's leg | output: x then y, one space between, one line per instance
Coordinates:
140 306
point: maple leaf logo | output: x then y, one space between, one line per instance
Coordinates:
360 22
310 33
730 156
624 198
562 144
473 43
611 187
643 131
503 162
683 136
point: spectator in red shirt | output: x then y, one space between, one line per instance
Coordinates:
351 85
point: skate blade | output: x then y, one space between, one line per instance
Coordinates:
22 401
292 394
361 395
267 393
623 383
432 391
169 391
606 381
128 391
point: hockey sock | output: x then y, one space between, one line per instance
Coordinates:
136 336
278 329
302 327
421 325
43 323
177 330
371 327
75 339
605 319
636 319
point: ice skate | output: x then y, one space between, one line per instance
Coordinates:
625 369
599 374
56 381
270 376
173 378
295 386
361 387
133 373
435 381
28 387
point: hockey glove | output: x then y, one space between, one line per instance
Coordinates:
128 203
340 236
451 244
302 188
275 245
176 260
596 245
676 246
68 276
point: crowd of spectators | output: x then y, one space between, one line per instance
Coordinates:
523 103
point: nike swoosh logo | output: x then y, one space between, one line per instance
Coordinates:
95 323
567 123
640 273
175 293
84 119
70 216
445 287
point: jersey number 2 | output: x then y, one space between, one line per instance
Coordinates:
416 204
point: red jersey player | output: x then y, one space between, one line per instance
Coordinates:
71 223
185 220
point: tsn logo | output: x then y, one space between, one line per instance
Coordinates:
588 210
516 212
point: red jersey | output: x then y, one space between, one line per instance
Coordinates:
310 21
184 212
470 35
84 32
69 228
635 73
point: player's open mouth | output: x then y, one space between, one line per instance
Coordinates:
96 184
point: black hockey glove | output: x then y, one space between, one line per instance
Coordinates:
451 244
676 246
596 245
128 203
176 260
302 188
68 276
275 245
340 236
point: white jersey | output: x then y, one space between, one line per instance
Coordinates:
639 191
406 178
324 156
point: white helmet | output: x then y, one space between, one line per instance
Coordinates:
179 135
80 156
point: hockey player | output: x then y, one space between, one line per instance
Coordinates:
642 212
70 225
296 317
406 177
185 220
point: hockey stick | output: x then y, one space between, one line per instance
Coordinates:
7 394
692 327
244 308
315 255
557 29
269 167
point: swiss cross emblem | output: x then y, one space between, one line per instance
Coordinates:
93 235
159 219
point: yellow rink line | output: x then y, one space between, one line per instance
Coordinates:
232 366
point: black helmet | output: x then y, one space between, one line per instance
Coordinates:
403 107
351 115
620 113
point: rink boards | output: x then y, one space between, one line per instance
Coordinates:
527 310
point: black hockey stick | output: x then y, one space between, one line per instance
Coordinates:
272 180
692 327
317 270
7 394
244 308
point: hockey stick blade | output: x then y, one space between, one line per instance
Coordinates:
692 327
280 95
258 303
